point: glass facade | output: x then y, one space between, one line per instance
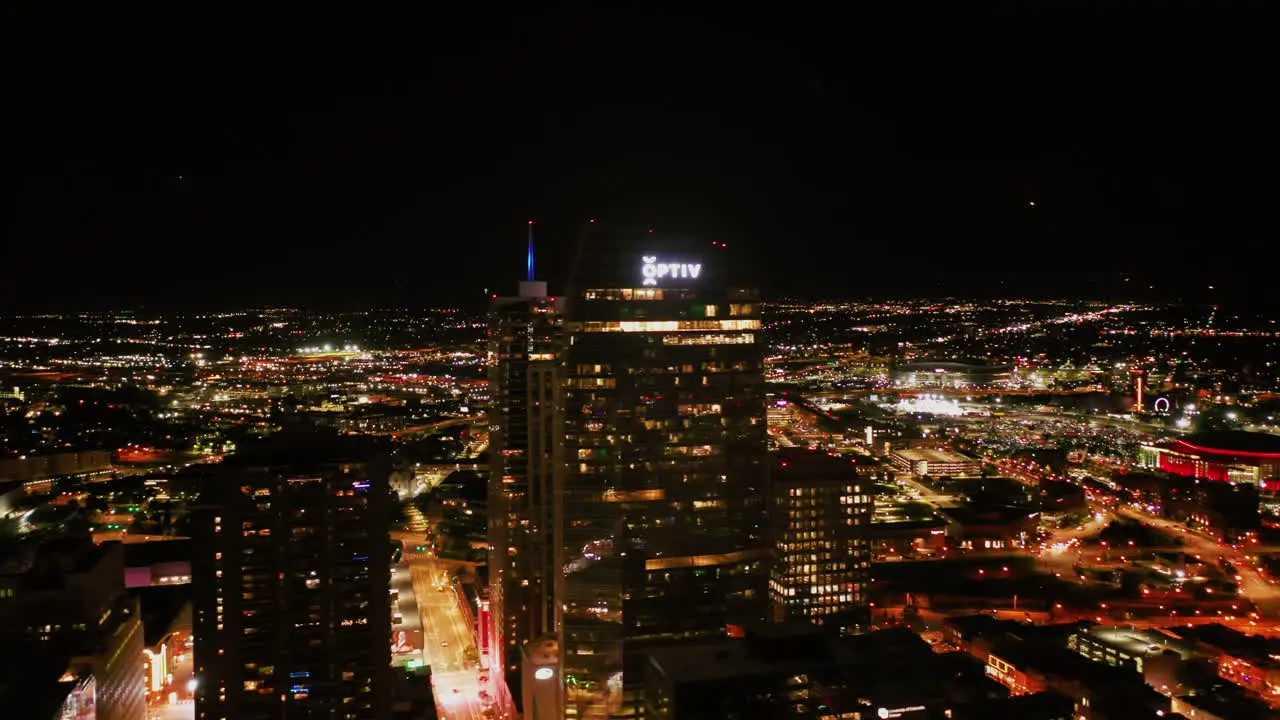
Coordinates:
663 480
524 450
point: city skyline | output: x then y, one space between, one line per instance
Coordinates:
653 362
1097 474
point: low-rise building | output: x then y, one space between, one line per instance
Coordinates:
63 609
34 471
934 462
1246 660
167 643
542 687
163 561
1030 659
1157 656
998 528
906 537
1225 702
799 671
1234 456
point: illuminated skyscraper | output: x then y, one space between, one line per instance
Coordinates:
525 443
292 615
820 510
662 494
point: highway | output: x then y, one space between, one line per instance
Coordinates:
431 427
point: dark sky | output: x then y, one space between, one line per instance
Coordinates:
221 155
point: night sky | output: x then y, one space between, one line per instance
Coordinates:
215 155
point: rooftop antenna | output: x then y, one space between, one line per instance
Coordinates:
529 259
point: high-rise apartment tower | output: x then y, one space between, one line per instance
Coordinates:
292 614
525 448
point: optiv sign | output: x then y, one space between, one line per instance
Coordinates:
653 271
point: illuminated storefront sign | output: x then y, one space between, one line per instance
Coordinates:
886 713
653 271
156 665
543 673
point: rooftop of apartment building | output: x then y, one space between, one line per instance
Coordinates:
1255 649
769 649
797 464
935 455
163 607
44 562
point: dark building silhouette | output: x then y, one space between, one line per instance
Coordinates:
70 637
802 672
290 574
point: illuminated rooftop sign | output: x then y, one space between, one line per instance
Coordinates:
653 271
887 713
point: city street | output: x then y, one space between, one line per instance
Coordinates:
183 710
447 636
175 701
416 525
1264 595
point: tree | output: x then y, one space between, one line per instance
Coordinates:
1197 674
471 656
917 510
1216 417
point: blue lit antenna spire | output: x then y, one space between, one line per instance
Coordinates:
529 260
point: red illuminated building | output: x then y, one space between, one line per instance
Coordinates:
484 628
1227 456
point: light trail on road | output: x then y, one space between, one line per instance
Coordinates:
1253 587
447 635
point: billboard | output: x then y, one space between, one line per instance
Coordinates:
400 643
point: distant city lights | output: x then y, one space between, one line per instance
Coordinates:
930 405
